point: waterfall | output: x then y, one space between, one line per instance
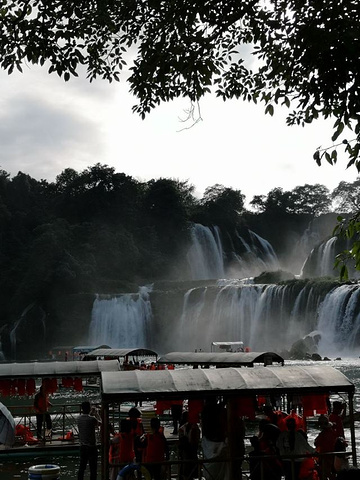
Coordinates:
39 327
327 258
122 321
339 321
270 317
258 256
264 317
207 259
320 262
205 256
194 310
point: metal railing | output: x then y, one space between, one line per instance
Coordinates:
63 419
237 468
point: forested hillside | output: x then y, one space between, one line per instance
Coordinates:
98 231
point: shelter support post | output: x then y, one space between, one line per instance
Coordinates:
235 430
352 428
105 440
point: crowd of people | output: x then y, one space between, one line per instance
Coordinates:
280 449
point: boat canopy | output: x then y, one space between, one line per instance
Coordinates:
221 359
81 350
120 353
57 369
232 384
198 383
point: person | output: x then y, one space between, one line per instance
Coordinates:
87 423
235 439
189 438
156 449
255 458
176 412
41 406
341 461
337 416
213 442
325 443
268 435
293 442
276 417
121 448
137 428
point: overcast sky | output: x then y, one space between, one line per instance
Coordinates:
47 125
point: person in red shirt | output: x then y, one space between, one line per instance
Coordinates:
121 448
137 429
336 418
41 406
156 449
325 443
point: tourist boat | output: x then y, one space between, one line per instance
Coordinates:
129 358
236 387
220 359
20 381
65 352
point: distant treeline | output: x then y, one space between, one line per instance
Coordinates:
98 230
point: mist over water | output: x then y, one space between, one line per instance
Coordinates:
122 321
205 256
264 317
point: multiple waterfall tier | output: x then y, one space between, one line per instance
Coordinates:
216 308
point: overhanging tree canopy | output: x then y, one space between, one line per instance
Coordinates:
304 52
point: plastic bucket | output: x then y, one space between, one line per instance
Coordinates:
44 472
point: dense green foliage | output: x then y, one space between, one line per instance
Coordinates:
299 53
96 230
306 199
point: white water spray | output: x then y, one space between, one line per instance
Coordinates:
122 321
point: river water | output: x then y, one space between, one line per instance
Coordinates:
18 468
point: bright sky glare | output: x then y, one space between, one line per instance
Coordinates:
47 125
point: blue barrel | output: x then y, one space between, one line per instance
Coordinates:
44 472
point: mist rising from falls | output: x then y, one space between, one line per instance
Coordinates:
205 256
122 321
259 256
264 317
207 259
271 317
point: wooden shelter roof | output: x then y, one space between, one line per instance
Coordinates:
198 383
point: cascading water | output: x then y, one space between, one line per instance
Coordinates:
320 262
258 256
122 321
205 256
33 316
339 321
207 260
264 317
